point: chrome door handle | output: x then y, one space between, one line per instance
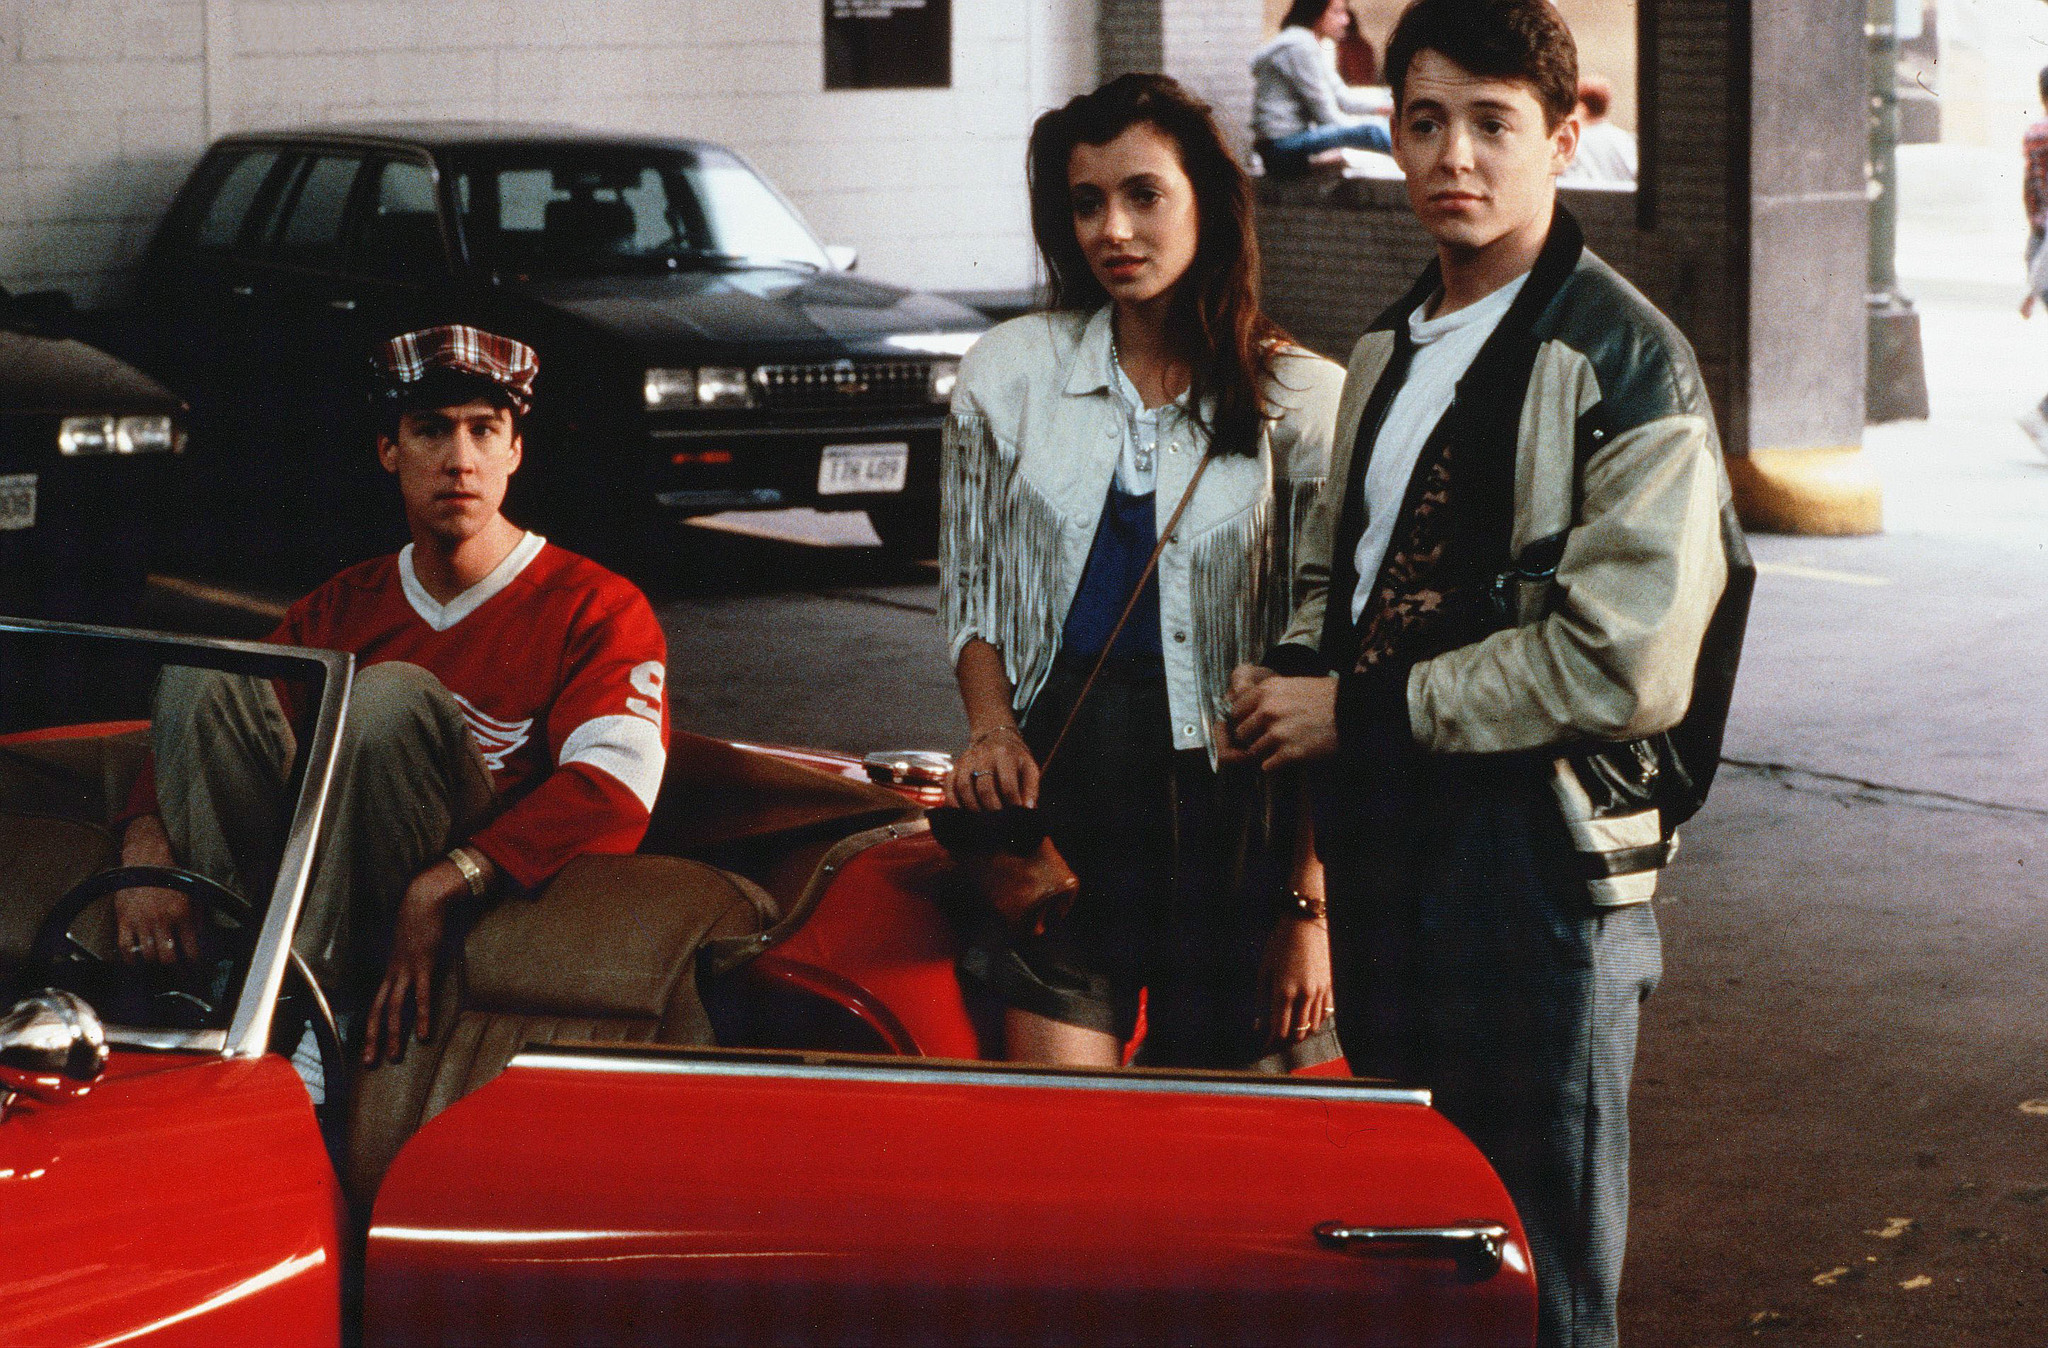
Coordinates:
343 305
1478 1245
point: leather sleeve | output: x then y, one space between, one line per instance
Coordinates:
1614 656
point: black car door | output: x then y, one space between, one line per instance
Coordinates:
199 289
301 428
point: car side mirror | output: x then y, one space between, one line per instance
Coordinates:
843 256
52 1045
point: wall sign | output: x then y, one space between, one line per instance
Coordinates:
888 44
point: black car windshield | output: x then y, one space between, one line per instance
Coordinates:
588 210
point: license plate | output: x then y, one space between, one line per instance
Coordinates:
18 500
863 468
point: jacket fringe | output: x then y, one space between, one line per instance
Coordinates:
999 552
1242 578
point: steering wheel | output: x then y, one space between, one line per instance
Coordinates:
54 943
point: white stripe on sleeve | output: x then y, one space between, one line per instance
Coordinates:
627 748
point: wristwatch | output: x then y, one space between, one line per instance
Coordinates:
472 874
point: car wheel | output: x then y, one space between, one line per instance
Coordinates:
909 530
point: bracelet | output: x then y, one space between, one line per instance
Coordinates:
1308 906
472 874
995 730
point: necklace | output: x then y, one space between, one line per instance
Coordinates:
1141 453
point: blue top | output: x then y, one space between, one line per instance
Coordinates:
1124 539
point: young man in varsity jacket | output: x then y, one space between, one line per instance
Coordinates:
506 713
1526 577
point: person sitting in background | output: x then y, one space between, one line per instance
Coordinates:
1300 108
1607 153
1357 63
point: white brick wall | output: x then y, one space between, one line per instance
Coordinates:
105 104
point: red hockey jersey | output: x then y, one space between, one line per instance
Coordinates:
559 668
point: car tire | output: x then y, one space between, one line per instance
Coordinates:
909 530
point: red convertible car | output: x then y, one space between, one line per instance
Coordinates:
725 1091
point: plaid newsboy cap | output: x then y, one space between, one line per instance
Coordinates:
411 357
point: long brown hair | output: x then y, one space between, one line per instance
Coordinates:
1215 322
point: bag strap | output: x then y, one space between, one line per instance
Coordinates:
1151 564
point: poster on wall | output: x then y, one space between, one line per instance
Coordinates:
888 44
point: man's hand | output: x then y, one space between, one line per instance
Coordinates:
1277 721
2027 305
152 925
415 949
1242 680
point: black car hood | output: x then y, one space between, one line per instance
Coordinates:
59 375
686 309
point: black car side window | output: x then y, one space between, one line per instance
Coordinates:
221 227
312 224
400 239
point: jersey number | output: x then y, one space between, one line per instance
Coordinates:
646 679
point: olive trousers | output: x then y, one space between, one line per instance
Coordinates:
409 783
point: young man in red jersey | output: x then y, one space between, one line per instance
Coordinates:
506 715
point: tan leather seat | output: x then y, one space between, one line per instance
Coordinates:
56 800
605 954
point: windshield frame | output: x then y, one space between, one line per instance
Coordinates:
491 159
326 675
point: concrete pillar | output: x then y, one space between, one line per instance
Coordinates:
1808 235
1205 44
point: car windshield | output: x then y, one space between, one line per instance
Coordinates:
586 210
84 732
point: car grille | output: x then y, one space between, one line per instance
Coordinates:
845 383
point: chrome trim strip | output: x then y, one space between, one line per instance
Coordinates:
168 1041
898 1073
249 1031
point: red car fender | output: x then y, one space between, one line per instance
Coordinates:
182 1200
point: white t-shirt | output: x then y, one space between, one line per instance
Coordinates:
1444 350
1137 468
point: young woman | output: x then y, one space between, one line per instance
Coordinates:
1074 435
1300 107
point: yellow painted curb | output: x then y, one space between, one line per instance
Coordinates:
1807 491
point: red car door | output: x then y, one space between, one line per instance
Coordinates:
185 1199
633 1196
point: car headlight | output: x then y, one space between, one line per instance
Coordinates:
667 389
724 386
945 374
711 386
117 435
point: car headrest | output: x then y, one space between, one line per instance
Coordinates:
586 224
610 936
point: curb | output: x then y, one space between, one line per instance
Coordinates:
1829 491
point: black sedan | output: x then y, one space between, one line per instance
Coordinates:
700 350
88 449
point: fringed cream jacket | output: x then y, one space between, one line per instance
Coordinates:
1030 448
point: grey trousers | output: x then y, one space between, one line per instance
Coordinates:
1469 959
409 784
